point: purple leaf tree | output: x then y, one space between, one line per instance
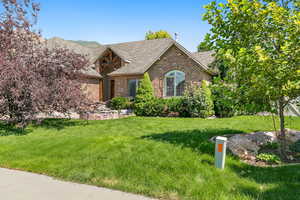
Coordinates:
33 78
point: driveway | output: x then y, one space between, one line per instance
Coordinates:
18 185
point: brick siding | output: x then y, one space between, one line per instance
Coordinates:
175 59
91 87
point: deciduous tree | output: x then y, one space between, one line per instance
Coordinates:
259 40
33 78
157 35
204 45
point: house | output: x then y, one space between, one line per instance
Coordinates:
116 69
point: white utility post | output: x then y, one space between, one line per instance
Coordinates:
220 152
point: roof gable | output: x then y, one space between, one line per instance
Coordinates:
139 55
182 59
142 55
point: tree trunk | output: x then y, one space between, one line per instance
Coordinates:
281 117
282 126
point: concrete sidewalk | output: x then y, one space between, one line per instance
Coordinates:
18 185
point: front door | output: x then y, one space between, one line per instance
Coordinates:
112 89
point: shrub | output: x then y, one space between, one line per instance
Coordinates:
208 102
269 158
224 101
197 102
156 108
192 102
144 97
271 145
119 103
229 101
174 104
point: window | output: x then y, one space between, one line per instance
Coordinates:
132 87
174 83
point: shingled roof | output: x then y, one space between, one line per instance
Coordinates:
91 52
205 57
141 55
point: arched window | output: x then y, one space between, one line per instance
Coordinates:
174 83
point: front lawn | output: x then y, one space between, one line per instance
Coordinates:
161 157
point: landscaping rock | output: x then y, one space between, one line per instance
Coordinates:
292 135
101 111
247 146
97 111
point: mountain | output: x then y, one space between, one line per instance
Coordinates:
87 48
89 44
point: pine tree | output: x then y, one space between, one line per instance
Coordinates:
145 94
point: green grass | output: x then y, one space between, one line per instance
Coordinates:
167 158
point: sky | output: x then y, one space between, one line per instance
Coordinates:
115 21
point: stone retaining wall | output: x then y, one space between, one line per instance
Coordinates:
103 115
